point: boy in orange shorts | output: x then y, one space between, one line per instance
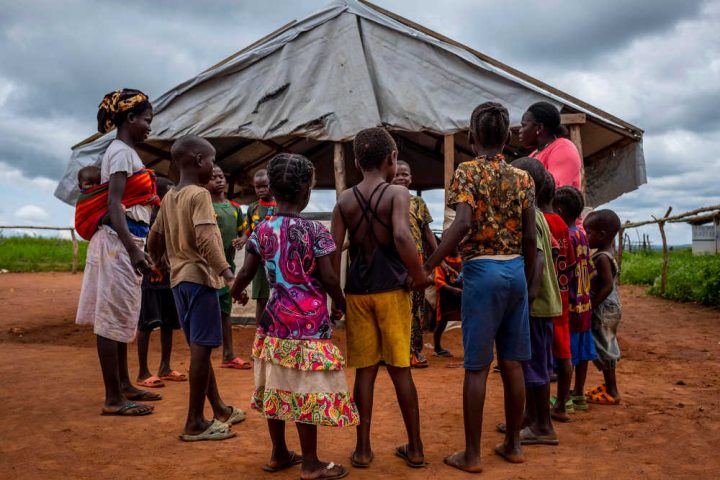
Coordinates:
382 252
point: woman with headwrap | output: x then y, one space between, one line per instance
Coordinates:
111 290
540 129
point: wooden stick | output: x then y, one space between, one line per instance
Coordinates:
339 166
673 219
32 227
448 167
666 256
74 250
576 138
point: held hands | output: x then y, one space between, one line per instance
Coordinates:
140 261
228 277
337 311
423 282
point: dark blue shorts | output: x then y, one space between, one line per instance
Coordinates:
582 347
537 370
198 309
494 310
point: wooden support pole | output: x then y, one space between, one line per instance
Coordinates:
576 138
339 167
448 171
75 249
666 255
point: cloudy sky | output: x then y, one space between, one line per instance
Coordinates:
654 63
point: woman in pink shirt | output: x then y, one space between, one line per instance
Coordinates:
540 129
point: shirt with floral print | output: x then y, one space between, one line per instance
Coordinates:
497 193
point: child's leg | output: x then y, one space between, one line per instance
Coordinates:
563 385
441 326
529 412
312 467
228 352
611 383
166 338
473 405
280 454
580 376
408 400
143 342
363 393
129 390
543 423
199 378
514 393
220 410
108 355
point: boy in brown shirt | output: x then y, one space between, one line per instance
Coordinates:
186 230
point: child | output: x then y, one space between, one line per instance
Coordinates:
157 310
185 230
601 227
258 212
88 177
495 228
545 304
564 266
569 204
298 370
115 216
382 254
230 223
449 288
420 220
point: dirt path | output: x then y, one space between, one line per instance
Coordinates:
51 393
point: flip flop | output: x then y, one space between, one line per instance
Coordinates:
527 437
569 405
501 427
237 363
216 431
357 464
174 376
151 382
600 388
500 450
402 453
579 402
292 461
442 353
415 362
603 398
326 475
129 409
236 416
144 396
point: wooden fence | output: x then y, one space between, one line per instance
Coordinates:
687 217
73 236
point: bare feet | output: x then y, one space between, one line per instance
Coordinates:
361 461
461 462
512 455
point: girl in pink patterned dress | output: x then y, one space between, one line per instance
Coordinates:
298 371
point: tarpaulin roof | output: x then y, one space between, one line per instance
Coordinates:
350 66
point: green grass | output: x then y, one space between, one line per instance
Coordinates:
690 278
29 254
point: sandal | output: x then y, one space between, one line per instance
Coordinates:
294 459
579 402
569 405
442 353
237 363
325 473
129 409
603 398
357 464
402 452
598 389
236 416
216 431
418 361
174 376
151 382
144 396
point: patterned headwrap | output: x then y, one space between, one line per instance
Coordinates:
117 102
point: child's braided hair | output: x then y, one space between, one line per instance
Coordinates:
289 173
489 124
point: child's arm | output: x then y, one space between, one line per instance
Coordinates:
602 284
245 275
209 244
337 230
529 242
330 281
534 284
453 236
403 239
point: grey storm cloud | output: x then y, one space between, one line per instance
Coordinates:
652 62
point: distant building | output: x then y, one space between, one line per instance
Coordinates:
706 235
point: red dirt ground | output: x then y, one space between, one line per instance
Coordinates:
51 394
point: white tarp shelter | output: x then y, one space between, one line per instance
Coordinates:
311 85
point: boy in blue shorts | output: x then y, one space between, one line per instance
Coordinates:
495 228
185 230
